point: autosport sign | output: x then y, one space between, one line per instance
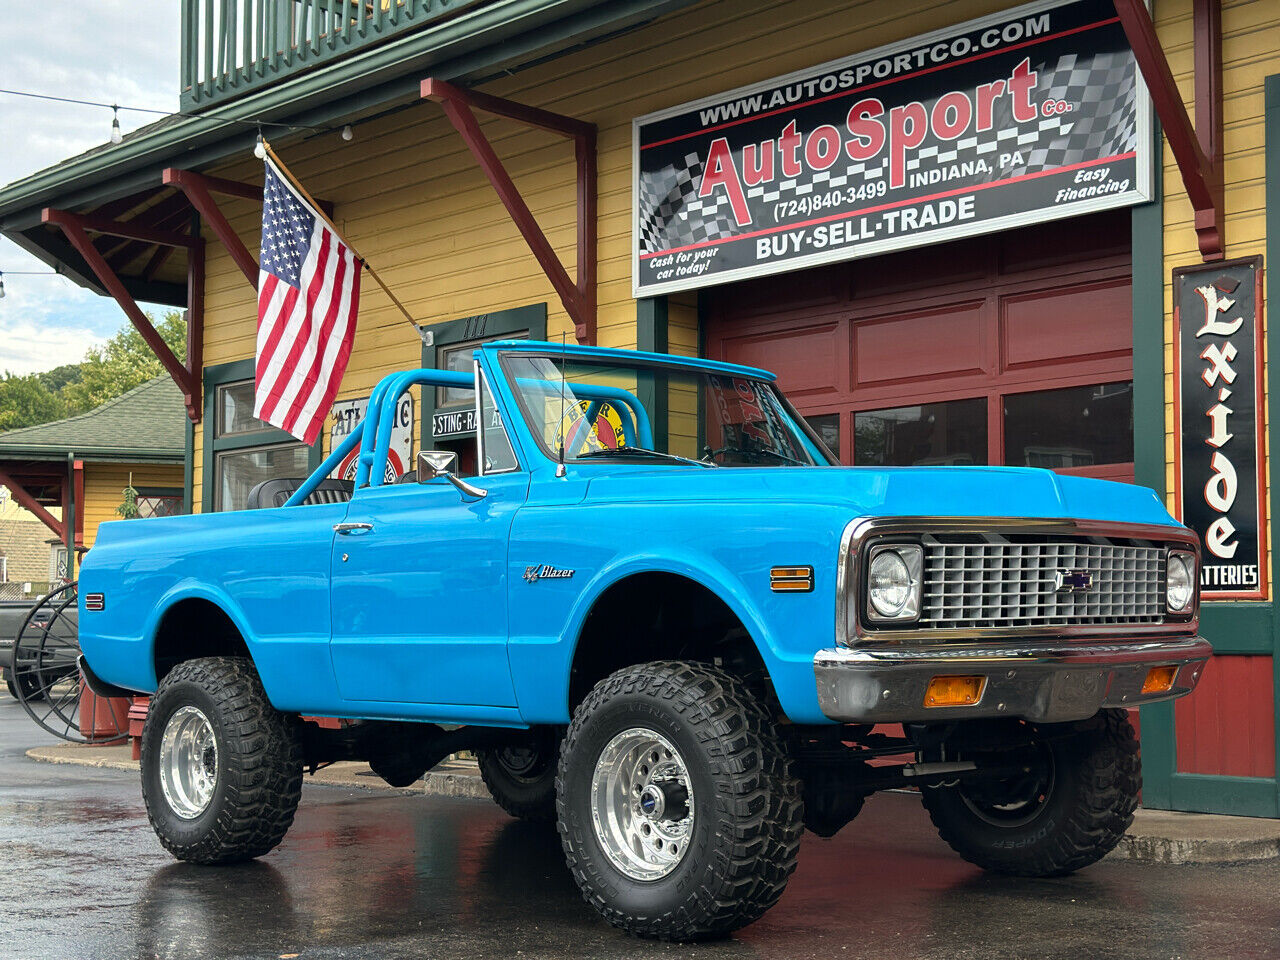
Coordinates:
1218 355
1030 115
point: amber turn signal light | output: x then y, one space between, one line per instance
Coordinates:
1159 679
954 691
791 579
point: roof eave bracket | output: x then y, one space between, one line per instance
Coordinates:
1197 149
75 227
579 298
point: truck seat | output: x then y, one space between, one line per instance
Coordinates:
273 493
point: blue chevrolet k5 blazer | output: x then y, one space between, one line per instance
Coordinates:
662 615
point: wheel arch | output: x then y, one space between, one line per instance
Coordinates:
194 621
730 607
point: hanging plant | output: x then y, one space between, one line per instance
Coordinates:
129 508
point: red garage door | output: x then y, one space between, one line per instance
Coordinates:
1009 349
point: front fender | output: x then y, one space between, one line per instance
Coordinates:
540 664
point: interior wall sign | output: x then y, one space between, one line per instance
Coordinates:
1221 419
348 414
1028 115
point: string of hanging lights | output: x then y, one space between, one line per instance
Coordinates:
117 136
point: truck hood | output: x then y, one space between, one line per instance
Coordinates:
892 491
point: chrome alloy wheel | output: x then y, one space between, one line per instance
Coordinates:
188 762
642 804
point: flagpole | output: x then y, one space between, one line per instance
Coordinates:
297 185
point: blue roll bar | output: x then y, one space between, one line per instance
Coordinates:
341 450
375 441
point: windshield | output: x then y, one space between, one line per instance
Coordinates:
597 410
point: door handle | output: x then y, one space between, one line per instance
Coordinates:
349 528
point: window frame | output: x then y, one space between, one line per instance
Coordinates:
222 375
481 328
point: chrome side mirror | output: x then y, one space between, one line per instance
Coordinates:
433 464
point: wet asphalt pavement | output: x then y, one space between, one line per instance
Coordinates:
380 875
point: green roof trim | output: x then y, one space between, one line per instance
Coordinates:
144 425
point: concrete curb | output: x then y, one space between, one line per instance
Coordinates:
1168 836
1156 836
104 758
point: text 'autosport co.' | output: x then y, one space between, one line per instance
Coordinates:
1035 114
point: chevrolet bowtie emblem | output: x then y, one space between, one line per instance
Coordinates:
1072 581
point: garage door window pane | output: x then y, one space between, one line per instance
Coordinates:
827 426
239 471
1075 427
949 433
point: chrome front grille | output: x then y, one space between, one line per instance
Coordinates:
994 582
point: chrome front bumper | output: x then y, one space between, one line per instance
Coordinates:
1051 682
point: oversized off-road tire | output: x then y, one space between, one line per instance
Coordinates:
1069 810
221 767
678 813
522 777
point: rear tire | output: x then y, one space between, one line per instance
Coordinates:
522 778
1069 812
695 745
221 767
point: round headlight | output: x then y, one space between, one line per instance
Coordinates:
888 583
1181 584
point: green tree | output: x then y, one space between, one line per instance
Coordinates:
122 363
25 400
59 377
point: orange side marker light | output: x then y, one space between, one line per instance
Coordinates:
1160 679
954 691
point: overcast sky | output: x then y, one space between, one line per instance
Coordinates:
118 51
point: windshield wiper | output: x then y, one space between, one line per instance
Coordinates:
642 452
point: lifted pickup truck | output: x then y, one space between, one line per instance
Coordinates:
664 617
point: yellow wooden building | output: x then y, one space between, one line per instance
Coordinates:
1044 334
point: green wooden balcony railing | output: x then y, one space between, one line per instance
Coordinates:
233 47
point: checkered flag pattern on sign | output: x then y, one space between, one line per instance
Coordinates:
672 213
1104 121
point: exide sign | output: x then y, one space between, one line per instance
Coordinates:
1029 115
1218 354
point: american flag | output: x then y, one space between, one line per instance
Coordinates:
308 292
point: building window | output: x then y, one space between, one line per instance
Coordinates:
239 471
159 502
458 357
240 450
951 433
235 410
827 426
448 413
1074 427
57 564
